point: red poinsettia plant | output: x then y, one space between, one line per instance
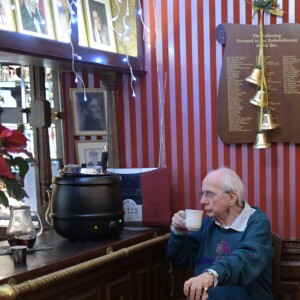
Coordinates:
11 143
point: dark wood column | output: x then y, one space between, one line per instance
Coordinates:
111 81
40 119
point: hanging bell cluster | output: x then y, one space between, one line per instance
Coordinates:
260 99
255 76
261 141
268 122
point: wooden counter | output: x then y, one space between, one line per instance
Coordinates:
132 266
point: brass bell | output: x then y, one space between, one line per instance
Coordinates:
255 76
261 141
258 99
268 122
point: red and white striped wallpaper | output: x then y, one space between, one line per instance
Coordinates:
172 120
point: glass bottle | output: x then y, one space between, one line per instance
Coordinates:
20 230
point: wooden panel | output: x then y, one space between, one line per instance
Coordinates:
141 277
290 269
238 118
82 294
118 288
158 282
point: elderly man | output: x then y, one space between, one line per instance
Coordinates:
231 253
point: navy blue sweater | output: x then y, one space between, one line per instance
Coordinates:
243 260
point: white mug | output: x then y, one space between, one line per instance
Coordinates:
193 219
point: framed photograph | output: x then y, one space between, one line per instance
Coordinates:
99 25
56 166
7 18
89 111
35 18
82 35
89 152
62 18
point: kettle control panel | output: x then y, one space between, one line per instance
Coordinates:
132 211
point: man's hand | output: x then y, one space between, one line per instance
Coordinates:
196 288
178 221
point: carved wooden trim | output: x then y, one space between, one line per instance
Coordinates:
111 81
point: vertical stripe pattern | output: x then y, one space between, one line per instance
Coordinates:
182 48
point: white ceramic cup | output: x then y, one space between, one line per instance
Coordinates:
193 219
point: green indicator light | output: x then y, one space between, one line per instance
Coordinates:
120 220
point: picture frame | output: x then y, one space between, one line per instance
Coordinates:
56 166
82 34
88 150
99 26
62 20
7 18
89 111
43 26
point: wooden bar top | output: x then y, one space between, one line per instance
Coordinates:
65 253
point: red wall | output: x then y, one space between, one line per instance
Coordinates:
183 63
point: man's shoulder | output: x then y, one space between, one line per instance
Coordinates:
259 216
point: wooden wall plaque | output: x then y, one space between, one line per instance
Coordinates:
237 118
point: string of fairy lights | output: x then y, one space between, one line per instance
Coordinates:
122 35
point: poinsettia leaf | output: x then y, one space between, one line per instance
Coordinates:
16 139
14 189
23 166
3 199
5 169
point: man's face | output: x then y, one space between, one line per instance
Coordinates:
94 158
31 4
2 11
64 3
215 201
97 20
94 109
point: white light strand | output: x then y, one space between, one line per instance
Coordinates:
124 36
145 28
116 18
124 40
132 77
118 14
161 96
162 146
140 12
74 55
126 27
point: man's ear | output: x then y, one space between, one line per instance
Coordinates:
233 198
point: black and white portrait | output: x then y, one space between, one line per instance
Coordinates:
90 112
